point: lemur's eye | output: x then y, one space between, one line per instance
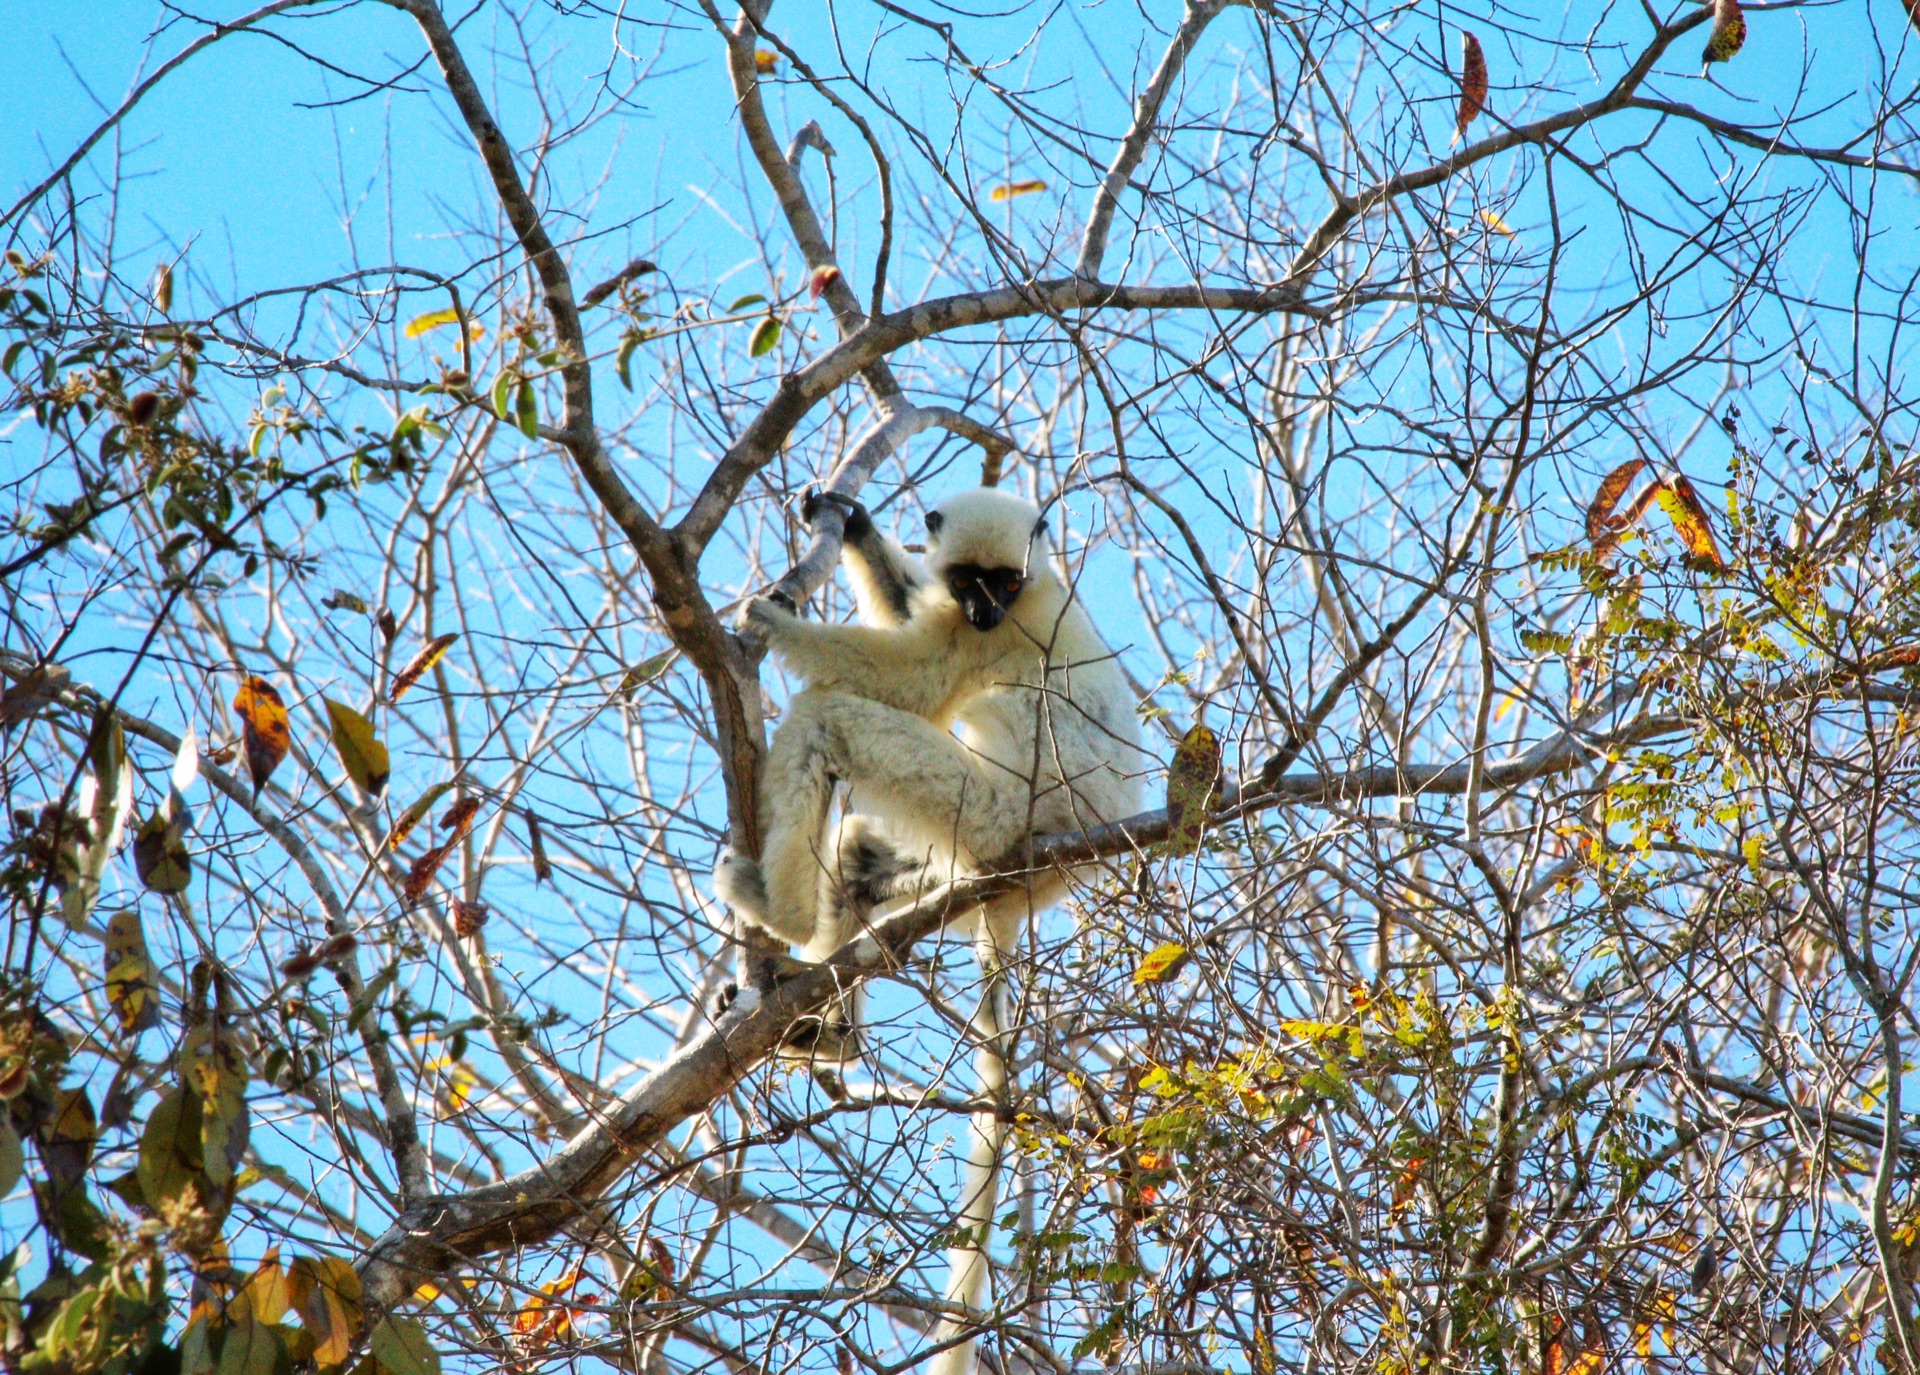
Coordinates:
934 521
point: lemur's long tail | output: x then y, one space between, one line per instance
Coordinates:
968 1266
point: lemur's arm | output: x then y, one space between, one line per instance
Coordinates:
913 667
884 576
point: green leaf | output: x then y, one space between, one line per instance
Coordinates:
524 413
363 1004
755 299
502 390
628 343
765 335
170 1149
645 672
249 1348
13 1160
401 1347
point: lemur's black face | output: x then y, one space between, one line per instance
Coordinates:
985 594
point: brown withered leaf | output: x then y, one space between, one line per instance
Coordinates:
1603 527
389 627
1473 83
537 845
264 728
459 817
1689 515
421 873
468 918
403 825
430 654
41 685
1900 656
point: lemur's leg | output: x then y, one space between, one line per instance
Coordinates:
932 790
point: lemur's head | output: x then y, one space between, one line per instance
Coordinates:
986 547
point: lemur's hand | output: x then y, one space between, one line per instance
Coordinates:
769 614
858 524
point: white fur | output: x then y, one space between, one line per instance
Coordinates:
956 744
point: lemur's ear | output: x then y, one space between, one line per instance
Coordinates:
934 521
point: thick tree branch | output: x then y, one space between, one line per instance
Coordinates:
673 569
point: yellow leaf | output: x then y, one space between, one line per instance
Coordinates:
1160 964
131 990
326 1293
363 754
433 319
1008 190
1491 219
765 60
268 1295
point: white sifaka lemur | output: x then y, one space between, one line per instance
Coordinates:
976 705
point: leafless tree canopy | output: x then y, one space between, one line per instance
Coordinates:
1500 434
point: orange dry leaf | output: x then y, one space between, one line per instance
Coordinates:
1009 190
765 60
1682 505
1589 1363
435 650
1408 1181
1473 83
264 728
1553 1357
545 1318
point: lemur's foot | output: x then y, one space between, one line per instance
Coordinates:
737 883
